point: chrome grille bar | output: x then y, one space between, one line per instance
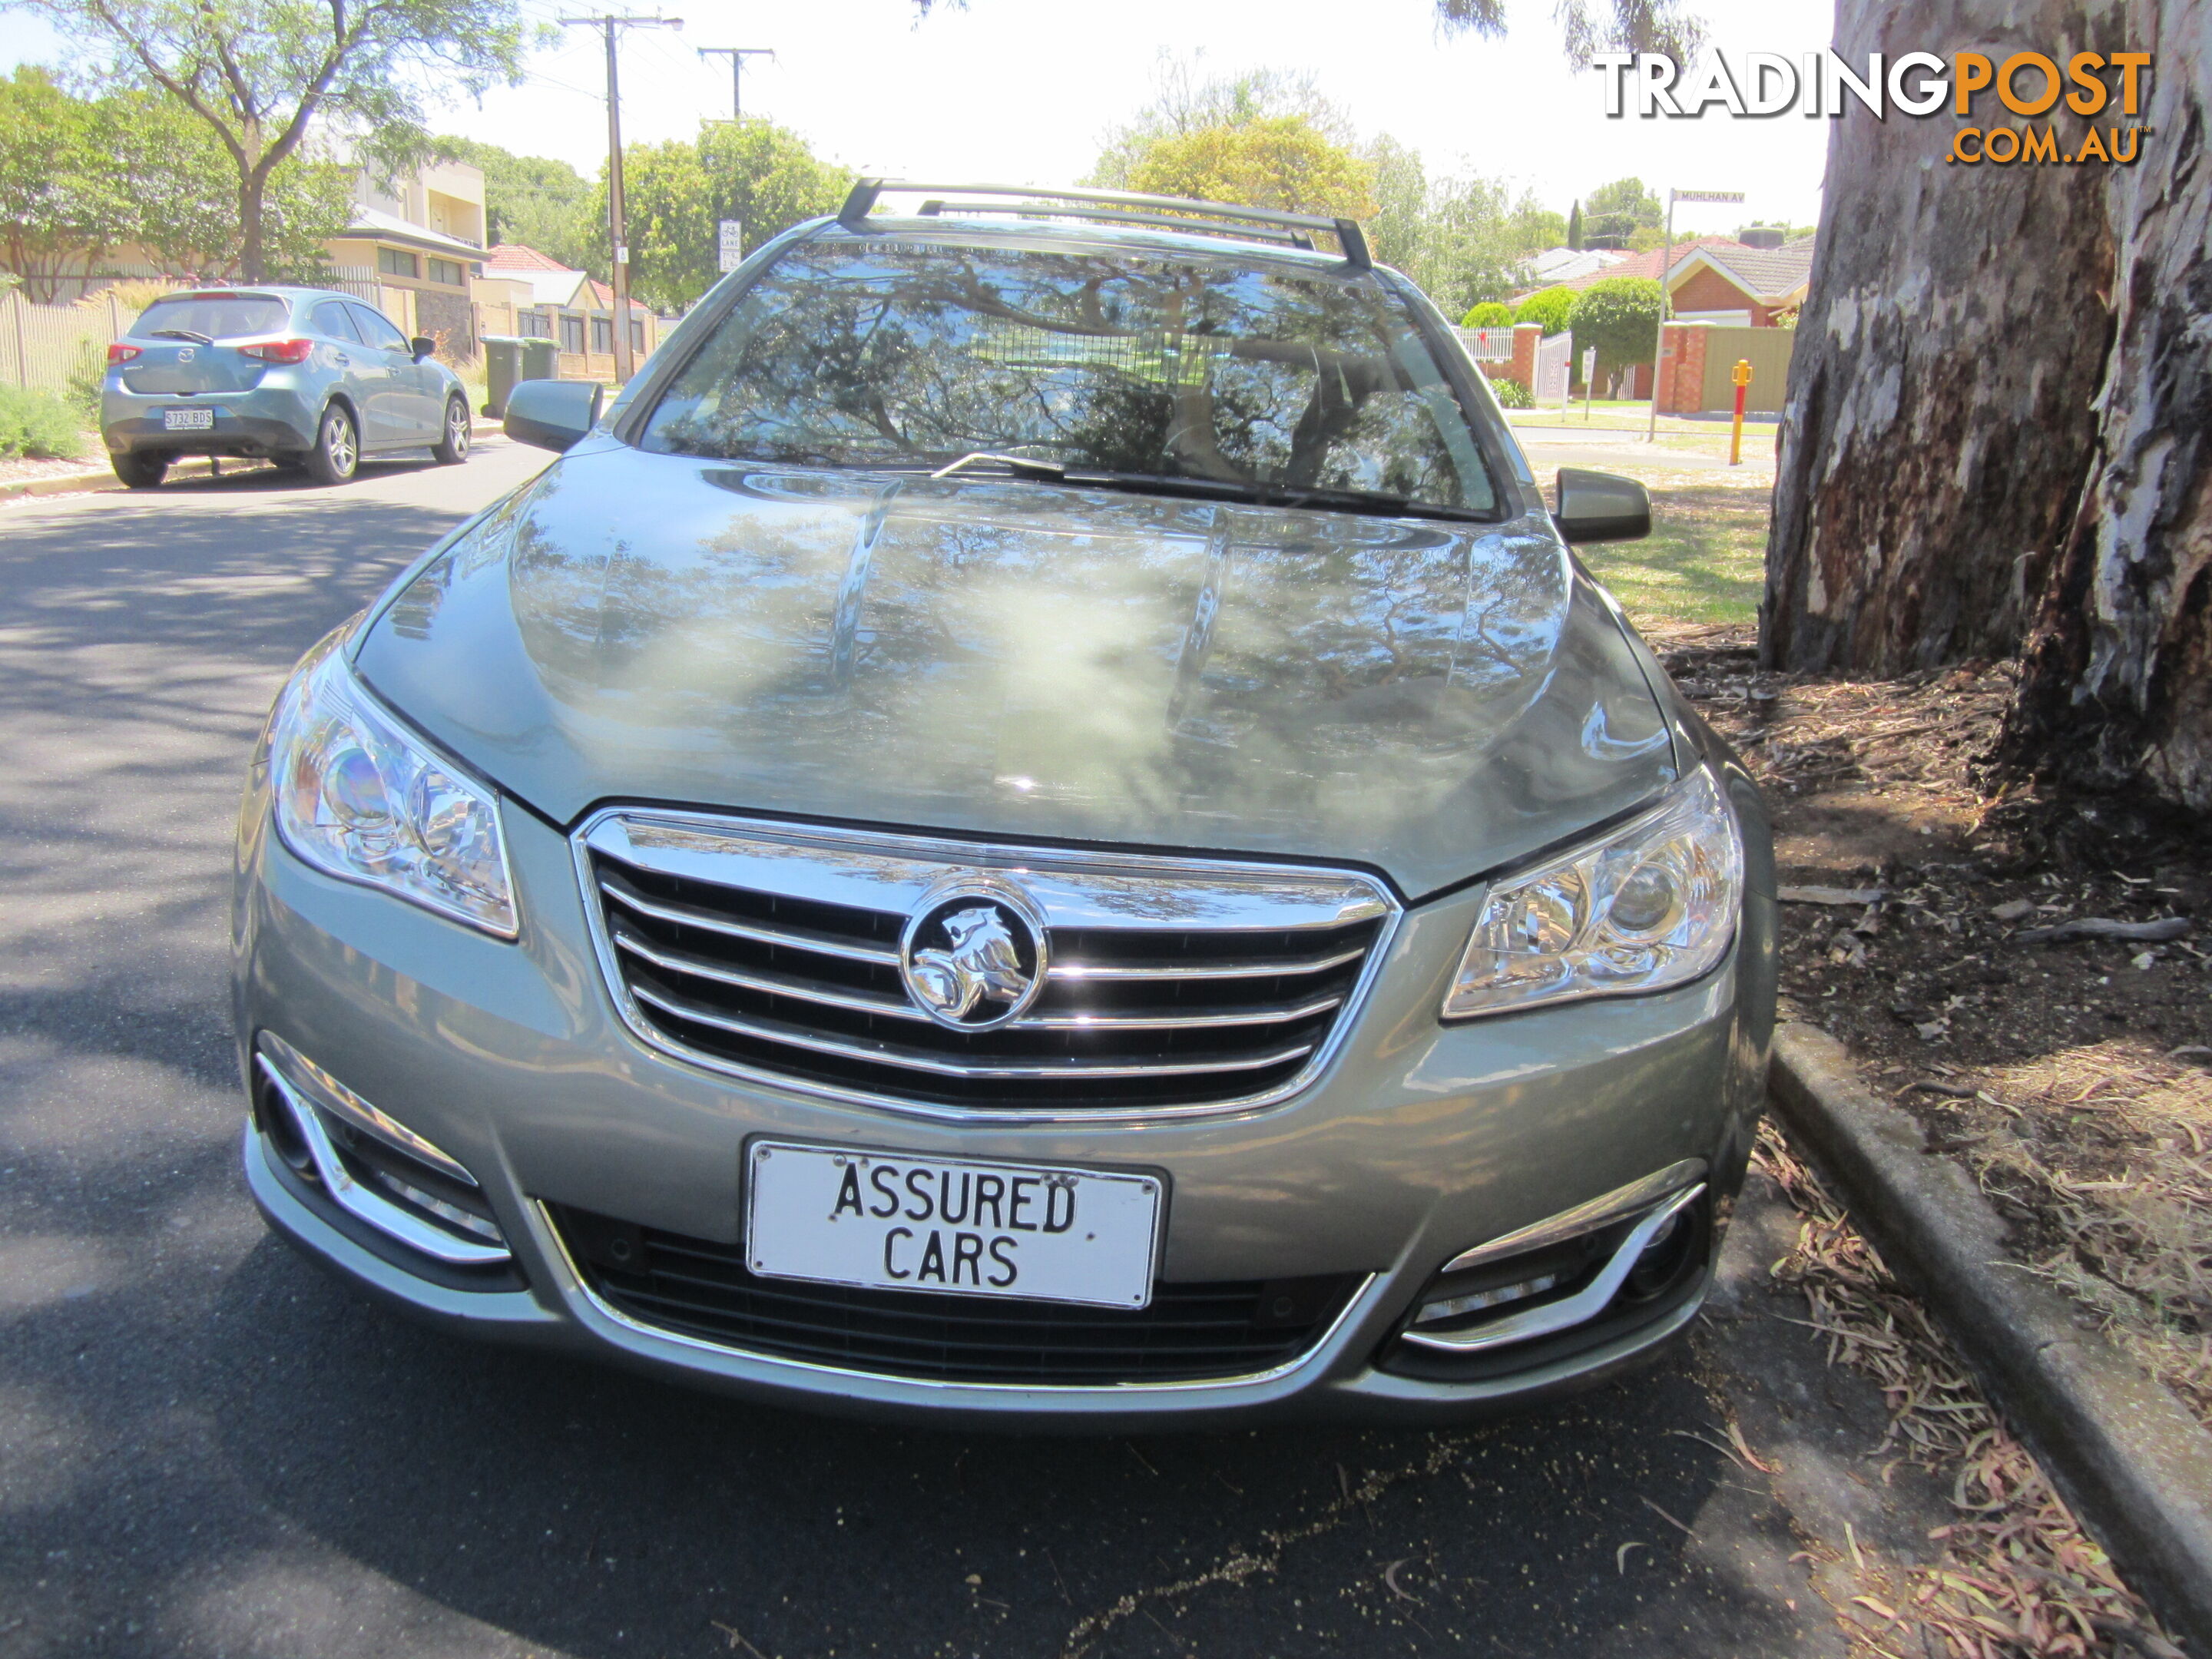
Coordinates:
915 1059
792 939
1161 986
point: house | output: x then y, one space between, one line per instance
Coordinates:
522 291
411 249
1734 283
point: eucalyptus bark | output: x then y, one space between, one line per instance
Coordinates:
1993 440
1938 424
2119 683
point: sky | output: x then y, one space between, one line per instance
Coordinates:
1024 91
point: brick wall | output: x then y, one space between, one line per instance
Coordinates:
1706 289
1682 368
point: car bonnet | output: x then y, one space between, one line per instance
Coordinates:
1430 698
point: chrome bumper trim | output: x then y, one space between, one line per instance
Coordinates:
1583 1217
368 1208
333 1097
1585 1304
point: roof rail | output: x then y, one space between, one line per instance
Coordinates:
1222 218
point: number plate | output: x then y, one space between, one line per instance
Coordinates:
889 1222
187 420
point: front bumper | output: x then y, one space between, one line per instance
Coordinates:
1418 1141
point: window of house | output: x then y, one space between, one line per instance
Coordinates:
637 335
398 262
449 272
603 334
572 331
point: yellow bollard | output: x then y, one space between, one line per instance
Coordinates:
1742 379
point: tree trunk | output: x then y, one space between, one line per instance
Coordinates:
253 264
1938 426
2118 682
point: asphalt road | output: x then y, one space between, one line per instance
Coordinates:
209 1448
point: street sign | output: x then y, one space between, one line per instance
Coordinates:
1705 195
733 232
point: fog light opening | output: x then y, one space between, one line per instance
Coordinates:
1661 1262
1452 1307
273 1115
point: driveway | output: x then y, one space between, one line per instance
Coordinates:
208 1447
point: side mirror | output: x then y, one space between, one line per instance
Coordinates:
422 346
1598 506
552 413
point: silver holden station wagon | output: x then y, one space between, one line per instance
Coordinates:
1039 824
302 377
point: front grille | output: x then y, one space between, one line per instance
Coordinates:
1167 985
698 1288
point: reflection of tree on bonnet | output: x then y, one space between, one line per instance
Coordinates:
1159 365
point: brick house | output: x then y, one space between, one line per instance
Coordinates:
522 291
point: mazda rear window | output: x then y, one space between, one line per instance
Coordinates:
1129 362
217 316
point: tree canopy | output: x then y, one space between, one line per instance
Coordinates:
1274 162
260 75
1619 315
1612 213
753 171
536 201
81 177
1552 307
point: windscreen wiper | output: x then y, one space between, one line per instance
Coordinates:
193 335
1375 501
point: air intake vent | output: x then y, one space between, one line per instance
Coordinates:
965 979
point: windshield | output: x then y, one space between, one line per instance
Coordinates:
1127 362
214 316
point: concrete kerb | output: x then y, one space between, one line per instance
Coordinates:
2134 1464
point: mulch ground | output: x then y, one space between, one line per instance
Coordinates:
2030 979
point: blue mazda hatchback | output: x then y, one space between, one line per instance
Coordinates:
300 376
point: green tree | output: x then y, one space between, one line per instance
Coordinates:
760 174
536 201
1553 307
1617 211
1586 28
1533 227
1491 314
1182 104
1574 227
81 177
1619 315
185 217
63 200
1276 162
259 74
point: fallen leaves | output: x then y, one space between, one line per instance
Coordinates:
2018 1578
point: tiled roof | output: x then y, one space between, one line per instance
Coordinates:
1766 273
514 256
1647 263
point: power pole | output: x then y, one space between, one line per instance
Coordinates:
737 55
625 364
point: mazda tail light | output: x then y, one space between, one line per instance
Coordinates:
279 351
119 353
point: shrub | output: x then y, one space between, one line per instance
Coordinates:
1619 315
37 424
1549 307
1511 394
1489 315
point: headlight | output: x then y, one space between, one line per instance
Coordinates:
357 796
1651 905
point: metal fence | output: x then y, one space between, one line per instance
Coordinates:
1488 345
44 346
